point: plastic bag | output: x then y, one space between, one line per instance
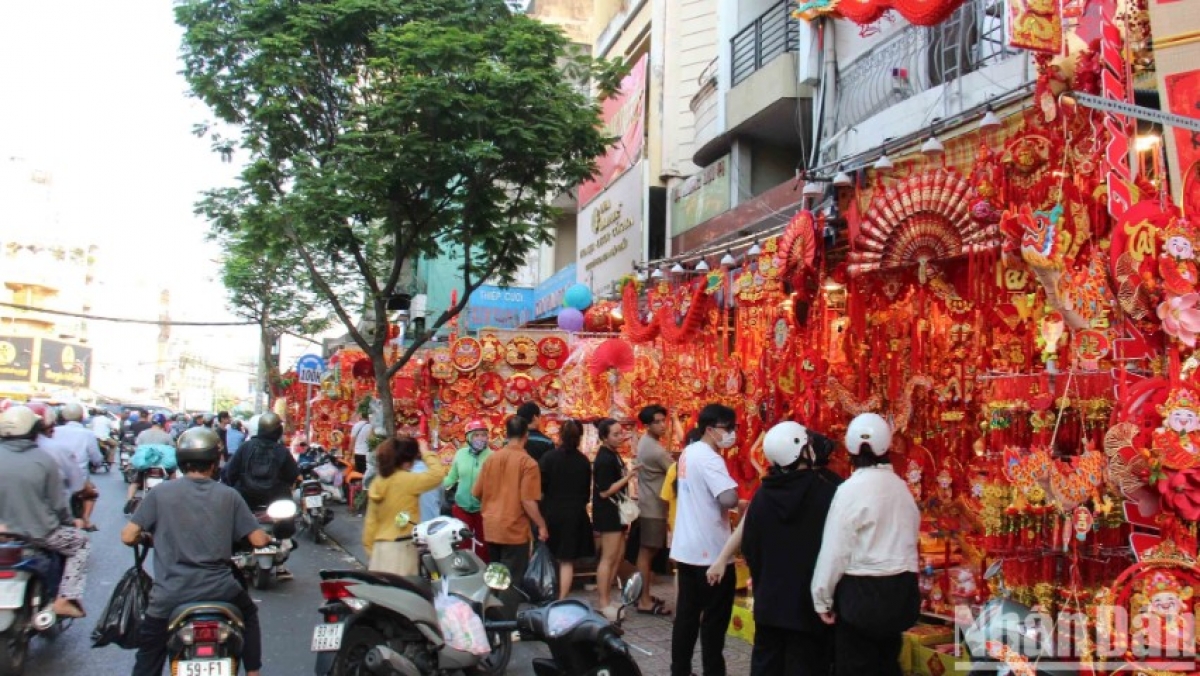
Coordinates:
154 455
462 629
325 473
541 576
122 617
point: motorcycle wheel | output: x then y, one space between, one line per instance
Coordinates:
317 531
497 661
262 579
357 642
13 648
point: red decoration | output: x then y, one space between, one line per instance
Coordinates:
798 249
613 353
863 12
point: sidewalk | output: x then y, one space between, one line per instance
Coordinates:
647 632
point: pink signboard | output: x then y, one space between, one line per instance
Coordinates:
624 117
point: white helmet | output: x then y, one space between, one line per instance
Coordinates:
870 429
72 412
252 426
784 443
18 421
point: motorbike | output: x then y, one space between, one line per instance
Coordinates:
205 639
29 577
1001 640
376 621
125 454
149 479
314 493
260 564
582 641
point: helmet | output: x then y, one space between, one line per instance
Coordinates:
476 425
252 425
18 422
158 419
869 429
785 442
71 413
198 444
270 426
46 413
134 417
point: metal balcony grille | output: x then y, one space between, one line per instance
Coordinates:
916 59
771 34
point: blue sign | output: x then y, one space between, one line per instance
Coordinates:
501 307
309 369
548 296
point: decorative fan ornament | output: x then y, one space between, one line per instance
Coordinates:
613 353
798 248
924 218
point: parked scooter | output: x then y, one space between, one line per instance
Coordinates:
315 492
395 617
29 577
261 564
1001 640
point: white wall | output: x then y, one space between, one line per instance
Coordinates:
691 38
749 10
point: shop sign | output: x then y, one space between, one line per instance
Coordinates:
609 233
64 364
548 296
16 359
700 197
500 307
624 117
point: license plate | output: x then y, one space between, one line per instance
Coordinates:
12 594
314 501
327 637
270 551
223 667
151 482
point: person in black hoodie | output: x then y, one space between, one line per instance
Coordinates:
780 538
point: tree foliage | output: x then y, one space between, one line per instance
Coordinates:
381 131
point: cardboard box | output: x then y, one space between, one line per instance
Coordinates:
938 660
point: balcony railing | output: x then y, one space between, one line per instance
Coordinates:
916 59
773 33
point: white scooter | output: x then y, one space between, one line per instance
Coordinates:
371 616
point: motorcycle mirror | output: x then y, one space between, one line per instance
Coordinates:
281 509
497 577
993 570
632 590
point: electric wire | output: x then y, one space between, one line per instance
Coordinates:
120 320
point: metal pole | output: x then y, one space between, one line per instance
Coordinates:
307 409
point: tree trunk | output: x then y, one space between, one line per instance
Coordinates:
383 392
264 368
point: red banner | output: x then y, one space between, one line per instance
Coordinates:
624 116
1113 80
1183 98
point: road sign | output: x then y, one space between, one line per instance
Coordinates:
310 368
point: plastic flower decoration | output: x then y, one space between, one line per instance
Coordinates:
1181 318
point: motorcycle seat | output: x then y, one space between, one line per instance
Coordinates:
218 608
414 583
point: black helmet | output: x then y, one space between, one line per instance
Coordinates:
199 445
270 426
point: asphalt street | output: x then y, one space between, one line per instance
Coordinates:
288 610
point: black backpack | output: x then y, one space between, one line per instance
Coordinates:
262 467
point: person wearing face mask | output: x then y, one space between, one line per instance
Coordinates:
464 471
706 493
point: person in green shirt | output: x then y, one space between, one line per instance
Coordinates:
463 472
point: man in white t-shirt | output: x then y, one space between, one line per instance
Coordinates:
706 493
360 441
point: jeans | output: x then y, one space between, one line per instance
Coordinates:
701 611
152 640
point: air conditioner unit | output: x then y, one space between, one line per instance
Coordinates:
418 306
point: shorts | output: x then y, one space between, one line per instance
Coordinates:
395 557
653 533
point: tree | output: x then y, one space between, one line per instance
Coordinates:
264 283
381 131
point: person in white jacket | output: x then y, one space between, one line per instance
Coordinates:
865 582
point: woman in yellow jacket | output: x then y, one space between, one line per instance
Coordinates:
394 504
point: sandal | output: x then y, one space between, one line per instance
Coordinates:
658 609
